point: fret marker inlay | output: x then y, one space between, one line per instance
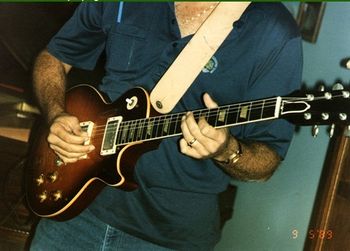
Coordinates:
222 116
150 128
244 112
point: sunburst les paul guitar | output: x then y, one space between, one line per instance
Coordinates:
123 130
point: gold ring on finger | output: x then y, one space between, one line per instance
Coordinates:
191 142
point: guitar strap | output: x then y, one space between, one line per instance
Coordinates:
196 54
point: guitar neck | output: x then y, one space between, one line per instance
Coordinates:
224 116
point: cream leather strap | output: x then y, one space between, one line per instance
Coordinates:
195 55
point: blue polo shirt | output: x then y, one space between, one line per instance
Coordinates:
176 202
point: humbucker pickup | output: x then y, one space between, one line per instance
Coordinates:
110 134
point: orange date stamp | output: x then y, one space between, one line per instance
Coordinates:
313 234
326 234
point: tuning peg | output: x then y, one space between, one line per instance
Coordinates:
331 130
325 115
343 116
315 131
321 88
328 95
347 131
337 87
345 62
346 94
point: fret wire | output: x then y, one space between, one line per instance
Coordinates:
150 127
165 131
216 117
177 126
154 128
238 111
173 123
176 121
165 121
140 130
159 126
226 115
262 109
131 131
137 130
250 110
170 119
118 136
125 132
143 134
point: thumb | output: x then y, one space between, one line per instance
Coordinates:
70 123
74 125
209 102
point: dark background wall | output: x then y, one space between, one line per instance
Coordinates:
25 29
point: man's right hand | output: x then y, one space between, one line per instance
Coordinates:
67 139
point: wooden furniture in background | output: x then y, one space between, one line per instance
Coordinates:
16 221
329 228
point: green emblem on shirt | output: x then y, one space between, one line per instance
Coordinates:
211 66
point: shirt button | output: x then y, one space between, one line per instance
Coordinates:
173 21
174 44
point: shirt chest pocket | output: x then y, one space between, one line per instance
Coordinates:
125 46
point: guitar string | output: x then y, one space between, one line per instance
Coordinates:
222 107
208 112
127 141
213 114
198 113
214 110
178 114
209 116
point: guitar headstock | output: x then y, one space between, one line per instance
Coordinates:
317 107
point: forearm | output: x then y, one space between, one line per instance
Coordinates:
49 81
257 161
202 141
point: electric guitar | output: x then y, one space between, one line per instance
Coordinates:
123 130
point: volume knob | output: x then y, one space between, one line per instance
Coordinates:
58 162
57 195
52 177
42 197
39 180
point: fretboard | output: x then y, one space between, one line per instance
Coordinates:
170 124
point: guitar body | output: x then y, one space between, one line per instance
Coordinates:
125 129
62 191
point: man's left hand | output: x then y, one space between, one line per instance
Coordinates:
201 140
